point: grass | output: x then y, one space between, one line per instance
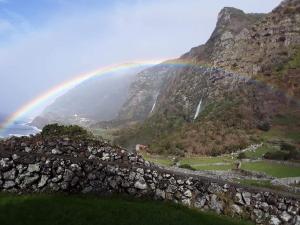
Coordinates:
256 183
80 210
213 167
198 160
261 183
103 133
159 160
272 169
258 153
198 163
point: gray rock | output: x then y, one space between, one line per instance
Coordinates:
140 184
9 175
236 209
171 189
92 176
293 210
296 220
274 220
68 175
131 191
282 206
215 204
5 164
188 193
9 184
285 216
258 213
239 199
75 167
56 179
125 184
160 194
132 176
200 202
186 201
56 151
27 149
43 181
60 170
75 181
180 182
215 189
15 157
87 190
105 157
29 180
247 197
33 168
265 206
140 171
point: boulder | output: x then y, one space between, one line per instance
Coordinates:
140 184
33 168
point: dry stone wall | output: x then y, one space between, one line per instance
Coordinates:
36 164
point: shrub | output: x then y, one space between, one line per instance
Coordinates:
278 155
242 155
294 154
187 166
61 130
287 147
265 126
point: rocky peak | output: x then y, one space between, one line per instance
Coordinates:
288 6
232 20
227 13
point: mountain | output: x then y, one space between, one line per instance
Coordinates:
225 94
99 98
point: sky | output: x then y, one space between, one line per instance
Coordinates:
46 42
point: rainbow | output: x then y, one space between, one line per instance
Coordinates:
60 88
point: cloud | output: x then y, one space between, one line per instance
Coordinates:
88 37
6 26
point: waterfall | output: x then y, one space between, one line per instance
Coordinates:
198 109
153 107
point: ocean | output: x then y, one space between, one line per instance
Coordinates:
19 128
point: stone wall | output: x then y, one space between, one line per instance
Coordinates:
37 165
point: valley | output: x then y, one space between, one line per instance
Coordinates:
213 136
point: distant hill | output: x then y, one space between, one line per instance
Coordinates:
97 99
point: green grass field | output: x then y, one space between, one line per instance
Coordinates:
210 163
198 160
213 167
160 160
273 169
258 153
80 210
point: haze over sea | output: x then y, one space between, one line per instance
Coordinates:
18 128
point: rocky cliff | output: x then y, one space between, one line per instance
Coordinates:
213 98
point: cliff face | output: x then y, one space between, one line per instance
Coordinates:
150 84
144 92
245 75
